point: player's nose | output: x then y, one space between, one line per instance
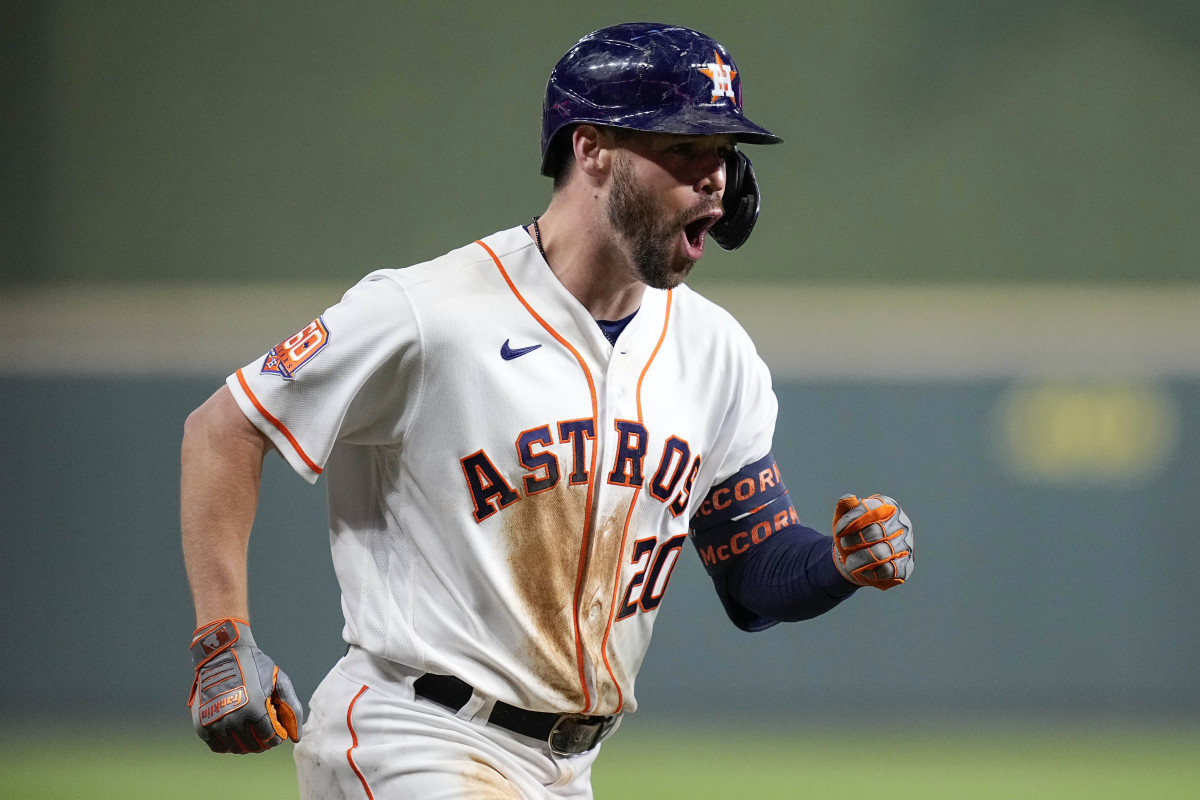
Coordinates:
710 173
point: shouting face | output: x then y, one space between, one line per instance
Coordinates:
665 195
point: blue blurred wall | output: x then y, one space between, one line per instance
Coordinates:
1025 597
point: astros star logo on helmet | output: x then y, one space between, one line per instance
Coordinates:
722 75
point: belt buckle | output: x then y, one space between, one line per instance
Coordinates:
574 734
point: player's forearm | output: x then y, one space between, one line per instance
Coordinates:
222 458
790 576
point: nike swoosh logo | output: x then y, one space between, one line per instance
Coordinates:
509 353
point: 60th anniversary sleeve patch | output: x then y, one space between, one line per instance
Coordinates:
295 351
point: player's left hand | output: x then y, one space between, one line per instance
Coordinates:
872 541
241 701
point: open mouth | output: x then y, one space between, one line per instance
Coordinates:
695 230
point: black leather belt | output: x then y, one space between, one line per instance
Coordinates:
567 734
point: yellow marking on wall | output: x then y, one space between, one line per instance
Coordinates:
1086 432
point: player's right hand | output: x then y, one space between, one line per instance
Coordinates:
872 541
241 701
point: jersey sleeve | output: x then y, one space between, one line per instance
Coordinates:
743 493
750 420
351 374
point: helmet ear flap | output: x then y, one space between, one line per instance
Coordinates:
740 202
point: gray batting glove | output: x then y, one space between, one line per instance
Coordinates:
241 701
872 541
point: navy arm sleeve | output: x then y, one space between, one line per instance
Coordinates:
766 566
790 576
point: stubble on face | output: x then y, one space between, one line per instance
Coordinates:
648 231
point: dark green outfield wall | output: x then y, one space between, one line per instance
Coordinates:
1075 595
925 139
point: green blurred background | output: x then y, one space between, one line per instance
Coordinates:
975 278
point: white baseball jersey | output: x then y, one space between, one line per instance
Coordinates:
508 492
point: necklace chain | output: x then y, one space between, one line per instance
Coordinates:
537 239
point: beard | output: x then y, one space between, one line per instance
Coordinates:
647 231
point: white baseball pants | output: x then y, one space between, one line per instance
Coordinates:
369 737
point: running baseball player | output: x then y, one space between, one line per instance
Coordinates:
518 438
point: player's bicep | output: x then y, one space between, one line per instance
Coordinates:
739 514
220 415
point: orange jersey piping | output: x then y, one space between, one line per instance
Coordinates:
583 550
278 425
612 609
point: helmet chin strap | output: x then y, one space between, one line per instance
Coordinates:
740 202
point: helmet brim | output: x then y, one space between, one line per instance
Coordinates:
698 121
689 122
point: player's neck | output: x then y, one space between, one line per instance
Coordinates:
587 262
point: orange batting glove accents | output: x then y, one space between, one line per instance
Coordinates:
241 702
872 541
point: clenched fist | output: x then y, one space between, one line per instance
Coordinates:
241 702
872 541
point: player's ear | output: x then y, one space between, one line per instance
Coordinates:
594 149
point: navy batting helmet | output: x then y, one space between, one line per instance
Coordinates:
648 77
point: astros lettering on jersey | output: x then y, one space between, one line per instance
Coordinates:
508 492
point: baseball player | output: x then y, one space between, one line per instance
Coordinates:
518 438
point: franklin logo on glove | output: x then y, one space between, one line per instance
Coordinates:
232 711
228 702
